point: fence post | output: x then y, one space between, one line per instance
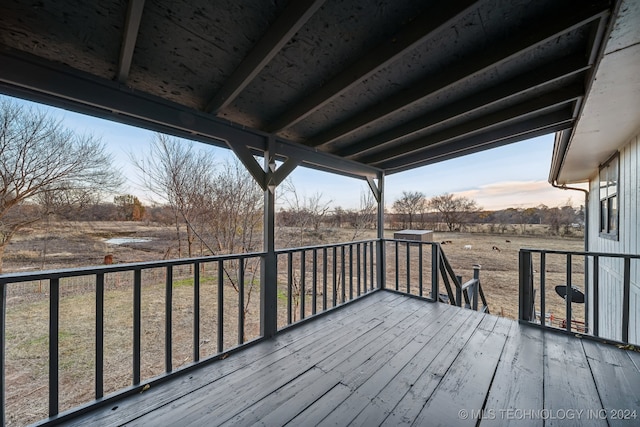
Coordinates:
526 311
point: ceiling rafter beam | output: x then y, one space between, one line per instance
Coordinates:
28 77
294 16
129 37
425 25
467 69
517 86
554 121
514 113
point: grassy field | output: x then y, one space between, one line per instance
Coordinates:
82 244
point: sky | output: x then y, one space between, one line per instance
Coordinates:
514 175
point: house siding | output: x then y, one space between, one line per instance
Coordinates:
628 242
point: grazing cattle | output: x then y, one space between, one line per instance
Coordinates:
444 242
467 246
495 248
508 241
448 241
108 259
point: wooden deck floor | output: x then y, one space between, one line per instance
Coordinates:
388 359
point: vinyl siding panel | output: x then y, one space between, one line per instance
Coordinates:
628 242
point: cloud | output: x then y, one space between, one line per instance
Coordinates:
521 194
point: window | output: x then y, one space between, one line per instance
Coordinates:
609 198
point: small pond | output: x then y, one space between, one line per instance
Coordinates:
124 240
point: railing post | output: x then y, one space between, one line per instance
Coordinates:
476 287
526 286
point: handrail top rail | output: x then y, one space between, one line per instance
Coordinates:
17 277
410 241
327 245
469 283
581 253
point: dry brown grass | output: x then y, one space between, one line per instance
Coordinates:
28 306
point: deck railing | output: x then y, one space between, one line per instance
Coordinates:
317 278
210 278
177 314
589 280
422 269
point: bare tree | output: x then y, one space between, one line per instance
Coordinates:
365 216
44 163
409 205
303 212
453 210
181 176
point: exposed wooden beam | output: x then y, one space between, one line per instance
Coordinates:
538 125
294 16
430 21
129 37
28 77
514 113
522 84
465 70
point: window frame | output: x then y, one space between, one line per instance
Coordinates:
609 197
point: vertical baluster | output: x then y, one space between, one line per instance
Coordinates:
568 294
420 267
137 309
343 273
314 279
626 296
408 267
596 296
220 330
358 270
168 320
350 272
289 288
99 368
543 296
303 272
54 326
3 324
364 267
397 266
196 312
435 267
335 275
324 278
372 281
240 301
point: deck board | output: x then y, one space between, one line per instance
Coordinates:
389 359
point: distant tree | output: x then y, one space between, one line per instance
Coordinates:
409 205
130 207
453 210
46 164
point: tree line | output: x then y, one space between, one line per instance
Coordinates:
50 171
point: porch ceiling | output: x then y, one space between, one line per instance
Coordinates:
354 87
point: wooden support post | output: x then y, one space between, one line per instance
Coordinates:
526 286
269 276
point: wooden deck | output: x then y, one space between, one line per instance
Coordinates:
389 359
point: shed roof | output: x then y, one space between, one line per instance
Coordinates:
355 87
